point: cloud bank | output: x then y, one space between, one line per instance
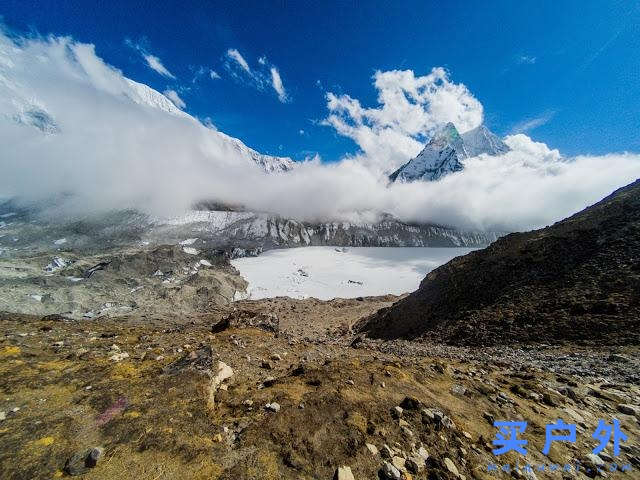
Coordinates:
71 124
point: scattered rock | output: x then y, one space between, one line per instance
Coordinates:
398 462
343 473
372 448
422 453
269 381
82 462
223 372
628 409
552 399
248 319
415 463
451 466
386 452
616 357
410 403
390 472
118 357
396 412
458 390
274 407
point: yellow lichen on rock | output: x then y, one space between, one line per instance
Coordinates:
10 351
44 441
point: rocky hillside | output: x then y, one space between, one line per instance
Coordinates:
578 280
249 230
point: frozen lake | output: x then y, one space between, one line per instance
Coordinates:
336 272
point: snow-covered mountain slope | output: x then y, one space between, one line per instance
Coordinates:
145 95
446 151
20 104
268 163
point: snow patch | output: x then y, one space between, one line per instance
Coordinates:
189 241
58 263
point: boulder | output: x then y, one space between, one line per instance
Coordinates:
343 473
81 462
390 472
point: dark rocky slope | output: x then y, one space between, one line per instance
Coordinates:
577 280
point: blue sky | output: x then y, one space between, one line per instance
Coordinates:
568 73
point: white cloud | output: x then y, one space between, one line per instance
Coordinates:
214 75
526 59
532 123
155 64
108 149
175 98
276 81
152 61
234 54
265 75
409 110
301 132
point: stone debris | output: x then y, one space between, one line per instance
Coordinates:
451 466
343 473
389 471
372 448
118 357
273 406
223 373
81 462
415 463
629 409
396 412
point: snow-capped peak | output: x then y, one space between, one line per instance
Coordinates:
481 140
446 152
439 157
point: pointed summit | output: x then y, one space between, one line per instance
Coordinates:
481 140
439 157
446 152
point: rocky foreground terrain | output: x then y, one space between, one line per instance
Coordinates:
283 389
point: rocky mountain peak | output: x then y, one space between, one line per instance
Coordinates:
446 152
